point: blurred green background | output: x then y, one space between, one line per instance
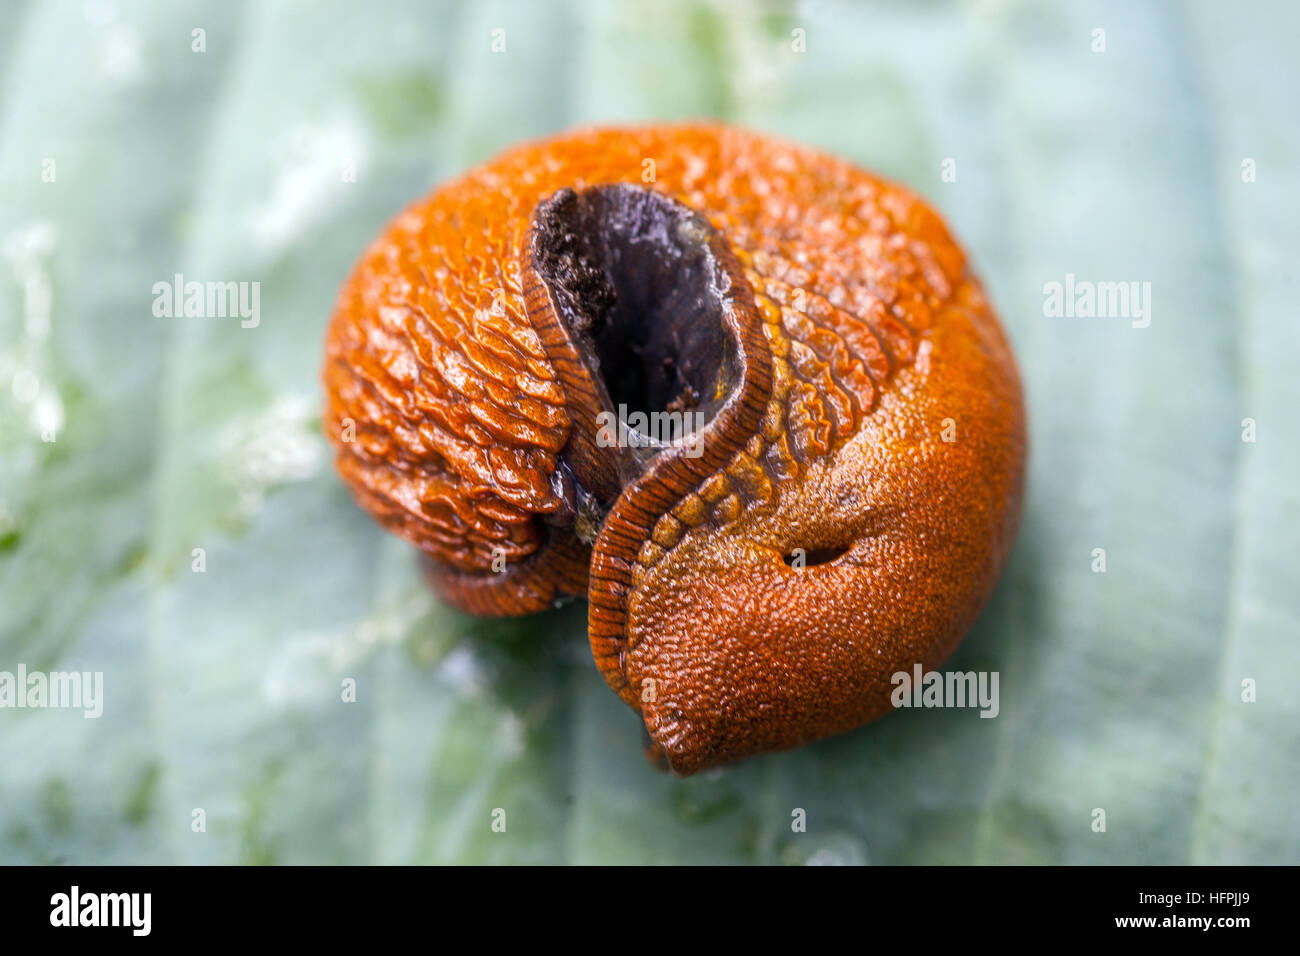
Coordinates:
1119 691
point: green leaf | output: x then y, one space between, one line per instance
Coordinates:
185 443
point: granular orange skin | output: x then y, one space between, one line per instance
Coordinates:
879 418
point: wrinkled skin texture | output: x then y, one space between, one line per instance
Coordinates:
860 485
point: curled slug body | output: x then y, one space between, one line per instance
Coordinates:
851 486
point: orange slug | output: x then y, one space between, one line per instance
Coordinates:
843 480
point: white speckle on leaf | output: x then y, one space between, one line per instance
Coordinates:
461 669
309 181
298 674
307 667
47 416
826 857
511 732
274 448
26 386
754 73
27 251
121 61
836 848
